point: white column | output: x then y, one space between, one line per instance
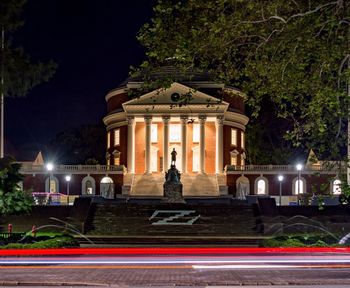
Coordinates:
148 121
131 144
166 120
184 120
219 125
202 120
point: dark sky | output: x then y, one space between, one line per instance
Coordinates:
94 44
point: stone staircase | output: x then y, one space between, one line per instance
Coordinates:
200 185
204 185
137 220
147 185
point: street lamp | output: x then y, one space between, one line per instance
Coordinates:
299 168
49 167
280 179
68 178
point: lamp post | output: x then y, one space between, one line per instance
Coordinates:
68 178
280 179
299 167
49 167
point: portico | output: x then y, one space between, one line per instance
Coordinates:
194 138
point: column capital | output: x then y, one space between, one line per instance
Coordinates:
220 120
183 119
148 120
166 119
130 120
202 119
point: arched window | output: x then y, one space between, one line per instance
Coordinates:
261 186
336 188
107 188
88 186
299 185
51 184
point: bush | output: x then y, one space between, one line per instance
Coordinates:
43 242
301 240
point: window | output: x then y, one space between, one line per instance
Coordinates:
195 133
154 133
299 185
175 133
261 186
88 187
242 139
52 186
234 160
116 137
234 137
108 139
336 188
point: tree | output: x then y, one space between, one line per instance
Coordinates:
13 199
83 145
291 53
19 73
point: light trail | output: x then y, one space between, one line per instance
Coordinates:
172 251
180 261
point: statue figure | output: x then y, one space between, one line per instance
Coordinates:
173 157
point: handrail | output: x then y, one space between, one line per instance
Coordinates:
307 168
32 168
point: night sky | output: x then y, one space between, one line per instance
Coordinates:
94 43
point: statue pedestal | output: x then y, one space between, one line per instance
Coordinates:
173 187
173 193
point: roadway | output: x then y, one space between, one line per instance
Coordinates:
170 268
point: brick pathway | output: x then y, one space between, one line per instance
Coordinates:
171 277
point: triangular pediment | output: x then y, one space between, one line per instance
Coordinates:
163 96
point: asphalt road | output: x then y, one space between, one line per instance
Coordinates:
214 270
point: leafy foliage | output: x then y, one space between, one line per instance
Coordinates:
12 199
301 240
83 145
20 73
291 53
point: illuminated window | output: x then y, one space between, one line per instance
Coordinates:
261 186
53 186
336 187
299 185
195 133
116 137
108 139
242 139
116 160
175 133
234 137
154 133
234 160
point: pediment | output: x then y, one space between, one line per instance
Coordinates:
163 96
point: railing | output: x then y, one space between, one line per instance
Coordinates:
289 168
29 168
